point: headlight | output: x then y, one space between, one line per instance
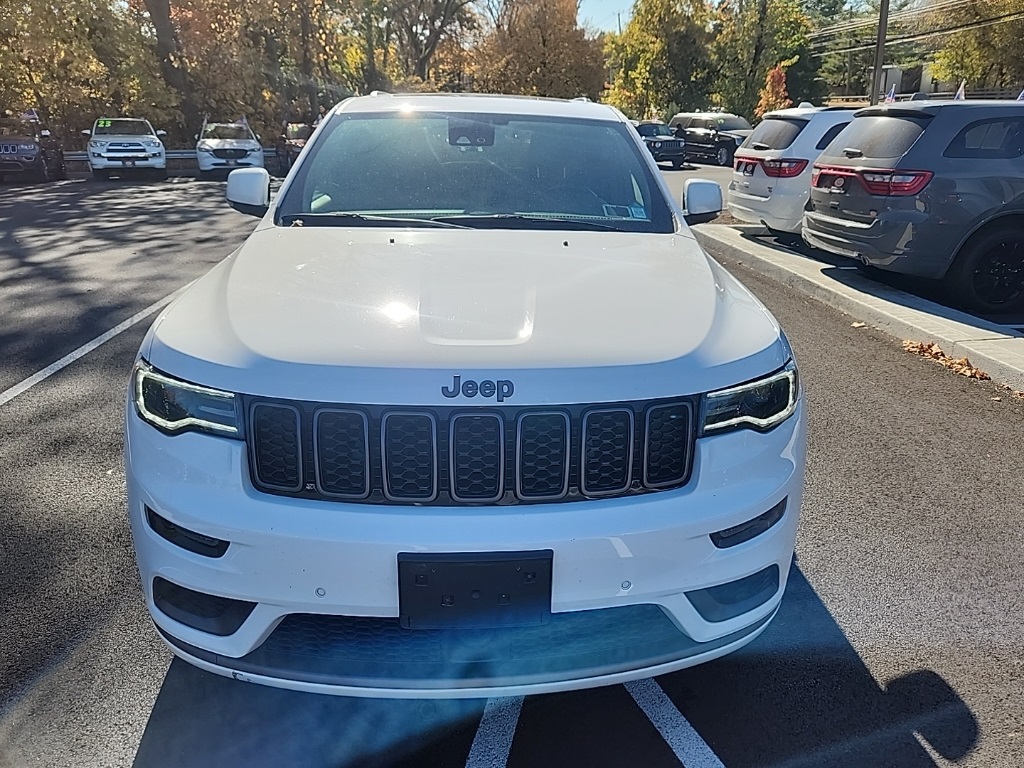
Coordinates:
760 404
27 148
153 144
177 406
97 144
204 148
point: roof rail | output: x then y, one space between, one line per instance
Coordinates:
581 98
379 93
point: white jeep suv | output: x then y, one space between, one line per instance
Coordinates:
125 145
468 414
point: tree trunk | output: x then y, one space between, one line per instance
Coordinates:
306 65
172 67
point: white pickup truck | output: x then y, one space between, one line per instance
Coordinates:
469 414
124 146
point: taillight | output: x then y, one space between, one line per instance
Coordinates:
895 183
815 175
783 169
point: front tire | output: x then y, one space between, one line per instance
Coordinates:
723 156
988 273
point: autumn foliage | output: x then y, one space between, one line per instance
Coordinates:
773 95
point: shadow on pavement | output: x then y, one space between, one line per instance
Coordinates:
799 696
845 271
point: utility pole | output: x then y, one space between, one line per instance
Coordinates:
883 23
619 17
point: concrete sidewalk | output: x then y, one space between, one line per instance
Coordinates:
996 349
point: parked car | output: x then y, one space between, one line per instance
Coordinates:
930 189
661 142
771 178
290 143
456 380
29 151
710 135
222 147
121 146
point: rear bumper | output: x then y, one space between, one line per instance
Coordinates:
783 210
893 242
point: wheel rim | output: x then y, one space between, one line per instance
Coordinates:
999 276
723 155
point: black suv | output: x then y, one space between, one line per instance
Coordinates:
931 189
661 142
29 151
711 135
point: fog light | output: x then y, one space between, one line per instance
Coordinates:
738 534
727 601
207 613
184 538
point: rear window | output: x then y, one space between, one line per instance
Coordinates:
776 132
878 136
998 139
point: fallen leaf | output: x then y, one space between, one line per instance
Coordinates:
858 325
934 352
997 399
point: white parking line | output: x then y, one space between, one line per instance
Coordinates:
9 394
493 739
685 742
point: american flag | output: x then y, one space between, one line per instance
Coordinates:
890 97
30 116
961 92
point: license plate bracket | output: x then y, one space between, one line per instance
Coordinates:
474 590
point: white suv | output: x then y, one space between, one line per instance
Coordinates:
226 146
771 180
125 145
468 414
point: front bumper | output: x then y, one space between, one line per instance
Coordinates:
331 568
99 161
18 164
209 162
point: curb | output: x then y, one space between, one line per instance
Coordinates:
995 349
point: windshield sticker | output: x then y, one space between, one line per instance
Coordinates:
637 212
104 123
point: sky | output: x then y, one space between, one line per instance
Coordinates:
602 14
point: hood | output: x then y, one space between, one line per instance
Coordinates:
228 143
375 315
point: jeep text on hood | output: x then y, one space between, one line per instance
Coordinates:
462 377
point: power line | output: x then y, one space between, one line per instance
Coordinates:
848 26
924 35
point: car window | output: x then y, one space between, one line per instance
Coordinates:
878 136
1001 138
830 134
777 132
654 129
430 165
226 131
107 127
732 123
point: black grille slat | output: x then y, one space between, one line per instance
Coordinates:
409 446
543 456
229 154
667 454
342 453
277 458
607 451
477 467
456 455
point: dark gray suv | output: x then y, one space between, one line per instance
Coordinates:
931 189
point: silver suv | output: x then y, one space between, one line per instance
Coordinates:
932 189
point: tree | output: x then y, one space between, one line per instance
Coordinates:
660 61
754 36
986 57
773 95
536 47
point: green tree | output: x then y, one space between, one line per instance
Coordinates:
986 57
660 62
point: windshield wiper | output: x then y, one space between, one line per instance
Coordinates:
346 218
501 220
759 146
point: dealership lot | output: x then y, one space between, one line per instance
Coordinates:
898 643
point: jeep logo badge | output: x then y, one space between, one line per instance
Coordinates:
502 389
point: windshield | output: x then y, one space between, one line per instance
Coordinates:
298 131
654 129
732 124
15 128
123 128
226 131
430 165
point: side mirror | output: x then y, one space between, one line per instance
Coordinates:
702 201
194 136
249 191
258 137
161 133
44 133
87 133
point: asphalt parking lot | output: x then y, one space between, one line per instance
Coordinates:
898 643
